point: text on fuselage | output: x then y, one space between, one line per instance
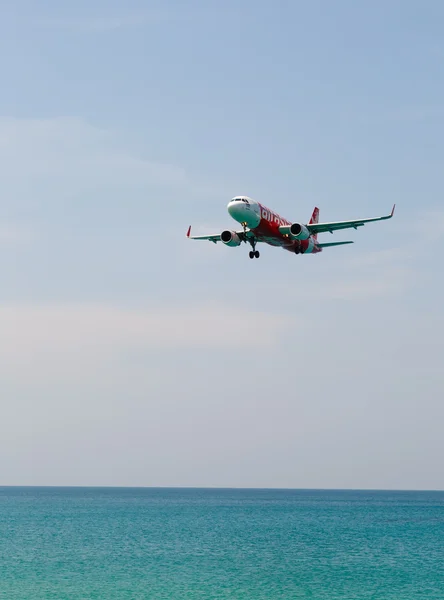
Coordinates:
272 217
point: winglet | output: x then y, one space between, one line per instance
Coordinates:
189 231
393 210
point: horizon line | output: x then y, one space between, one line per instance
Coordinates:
228 488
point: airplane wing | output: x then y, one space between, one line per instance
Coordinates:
211 238
216 237
329 244
338 225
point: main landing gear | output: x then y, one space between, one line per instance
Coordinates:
253 253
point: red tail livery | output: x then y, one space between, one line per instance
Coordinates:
315 219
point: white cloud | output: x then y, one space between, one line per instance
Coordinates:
356 278
363 286
380 273
431 225
383 257
68 147
12 234
74 337
66 160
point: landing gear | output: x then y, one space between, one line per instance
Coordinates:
253 253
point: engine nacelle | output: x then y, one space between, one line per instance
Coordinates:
310 247
299 232
230 238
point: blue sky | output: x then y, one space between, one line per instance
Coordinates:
132 356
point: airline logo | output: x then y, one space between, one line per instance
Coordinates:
272 217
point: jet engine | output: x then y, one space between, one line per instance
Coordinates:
230 238
299 232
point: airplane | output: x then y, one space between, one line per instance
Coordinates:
260 224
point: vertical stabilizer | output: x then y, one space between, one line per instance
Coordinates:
315 219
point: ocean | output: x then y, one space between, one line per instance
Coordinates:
109 544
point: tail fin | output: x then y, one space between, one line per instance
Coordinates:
315 219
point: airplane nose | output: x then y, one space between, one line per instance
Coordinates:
236 211
243 213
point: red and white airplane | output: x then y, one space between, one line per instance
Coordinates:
260 224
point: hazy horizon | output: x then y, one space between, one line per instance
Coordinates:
216 488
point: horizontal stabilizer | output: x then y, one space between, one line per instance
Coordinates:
328 244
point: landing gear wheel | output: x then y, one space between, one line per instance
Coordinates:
256 253
251 254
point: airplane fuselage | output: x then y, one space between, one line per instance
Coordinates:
264 224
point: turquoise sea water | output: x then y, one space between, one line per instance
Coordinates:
74 543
